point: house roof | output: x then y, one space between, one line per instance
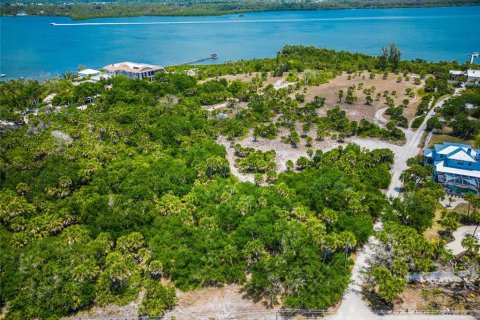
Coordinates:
456 72
457 151
448 150
428 153
132 67
88 72
473 73
461 155
440 168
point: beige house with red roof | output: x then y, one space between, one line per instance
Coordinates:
133 70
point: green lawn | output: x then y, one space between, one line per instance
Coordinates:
439 138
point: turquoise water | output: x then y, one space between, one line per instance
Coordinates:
32 48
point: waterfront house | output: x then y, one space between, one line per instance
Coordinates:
456 74
456 166
88 73
473 76
470 76
133 70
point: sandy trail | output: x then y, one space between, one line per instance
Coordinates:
459 235
353 307
231 160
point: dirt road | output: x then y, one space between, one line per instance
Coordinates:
353 306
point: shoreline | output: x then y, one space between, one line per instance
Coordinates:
186 11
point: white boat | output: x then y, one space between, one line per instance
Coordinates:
3 75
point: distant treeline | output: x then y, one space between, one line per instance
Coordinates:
86 9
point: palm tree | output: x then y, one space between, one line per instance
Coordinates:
471 244
348 241
340 95
470 198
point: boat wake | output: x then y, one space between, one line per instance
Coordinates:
81 24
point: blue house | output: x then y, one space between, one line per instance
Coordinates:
456 166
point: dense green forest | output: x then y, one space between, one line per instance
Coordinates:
99 204
94 9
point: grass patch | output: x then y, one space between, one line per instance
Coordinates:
440 138
420 92
432 233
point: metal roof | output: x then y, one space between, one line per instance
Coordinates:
473 73
440 168
448 150
88 72
461 156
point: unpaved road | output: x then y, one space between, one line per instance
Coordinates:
353 306
459 235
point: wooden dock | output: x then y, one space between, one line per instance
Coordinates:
213 56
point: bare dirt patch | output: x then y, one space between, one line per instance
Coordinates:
246 77
129 311
226 302
410 299
231 160
284 151
431 296
359 110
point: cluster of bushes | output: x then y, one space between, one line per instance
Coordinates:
424 105
254 161
268 131
396 117
417 122
464 121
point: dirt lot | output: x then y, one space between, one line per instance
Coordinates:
241 76
226 302
428 296
283 151
359 110
130 311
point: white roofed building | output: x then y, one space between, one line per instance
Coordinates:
88 73
133 70
456 166
473 76
456 73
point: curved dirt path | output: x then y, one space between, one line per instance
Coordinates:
379 118
459 235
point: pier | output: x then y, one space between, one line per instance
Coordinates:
213 56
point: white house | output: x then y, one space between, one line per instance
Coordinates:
473 76
133 70
88 73
454 74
